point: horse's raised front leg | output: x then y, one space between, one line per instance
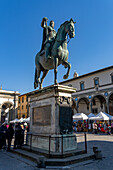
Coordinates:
35 80
66 64
55 69
42 78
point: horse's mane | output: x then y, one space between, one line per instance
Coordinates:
61 27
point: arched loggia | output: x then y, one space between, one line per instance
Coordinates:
99 104
83 105
6 111
111 104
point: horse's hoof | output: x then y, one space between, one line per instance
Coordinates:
65 77
41 86
35 85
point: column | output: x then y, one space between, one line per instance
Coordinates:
90 107
77 105
107 103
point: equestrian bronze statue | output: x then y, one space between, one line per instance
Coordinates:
54 50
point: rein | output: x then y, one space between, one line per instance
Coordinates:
66 39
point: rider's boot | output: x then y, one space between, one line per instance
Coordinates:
47 56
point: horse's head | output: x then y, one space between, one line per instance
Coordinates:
69 28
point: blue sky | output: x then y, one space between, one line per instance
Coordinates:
21 37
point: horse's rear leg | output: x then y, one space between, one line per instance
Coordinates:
66 64
55 69
35 80
42 78
37 77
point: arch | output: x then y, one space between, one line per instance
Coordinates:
83 105
6 110
97 95
84 98
110 95
110 101
99 103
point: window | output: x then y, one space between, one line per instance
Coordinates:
23 116
19 100
22 107
26 106
81 85
111 77
18 107
96 81
22 99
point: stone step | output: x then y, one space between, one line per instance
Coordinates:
53 161
53 154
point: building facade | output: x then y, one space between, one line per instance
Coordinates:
94 91
8 105
22 106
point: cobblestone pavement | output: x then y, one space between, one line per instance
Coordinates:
10 161
105 144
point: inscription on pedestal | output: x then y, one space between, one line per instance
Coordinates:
42 116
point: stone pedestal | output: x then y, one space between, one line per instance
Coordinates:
51 115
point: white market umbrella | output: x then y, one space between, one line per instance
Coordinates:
20 120
95 118
102 116
91 115
110 117
26 120
80 116
14 121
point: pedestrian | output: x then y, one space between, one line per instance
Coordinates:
17 142
108 130
1 141
89 127
27 134
105 126
3 135
112 127
99 127
22 134
9 135
95 128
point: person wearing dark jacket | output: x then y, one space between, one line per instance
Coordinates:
9 135
17 142
3 135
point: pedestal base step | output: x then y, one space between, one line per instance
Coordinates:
43 161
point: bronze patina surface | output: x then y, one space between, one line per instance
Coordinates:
54 50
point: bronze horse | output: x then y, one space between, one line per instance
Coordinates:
59 55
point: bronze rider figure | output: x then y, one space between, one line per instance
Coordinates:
49 35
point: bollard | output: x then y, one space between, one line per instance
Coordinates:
98 154
94 149
41 162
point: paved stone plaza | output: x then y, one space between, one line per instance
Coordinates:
105 144
10 161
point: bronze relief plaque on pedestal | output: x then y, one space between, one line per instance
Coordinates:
42 116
